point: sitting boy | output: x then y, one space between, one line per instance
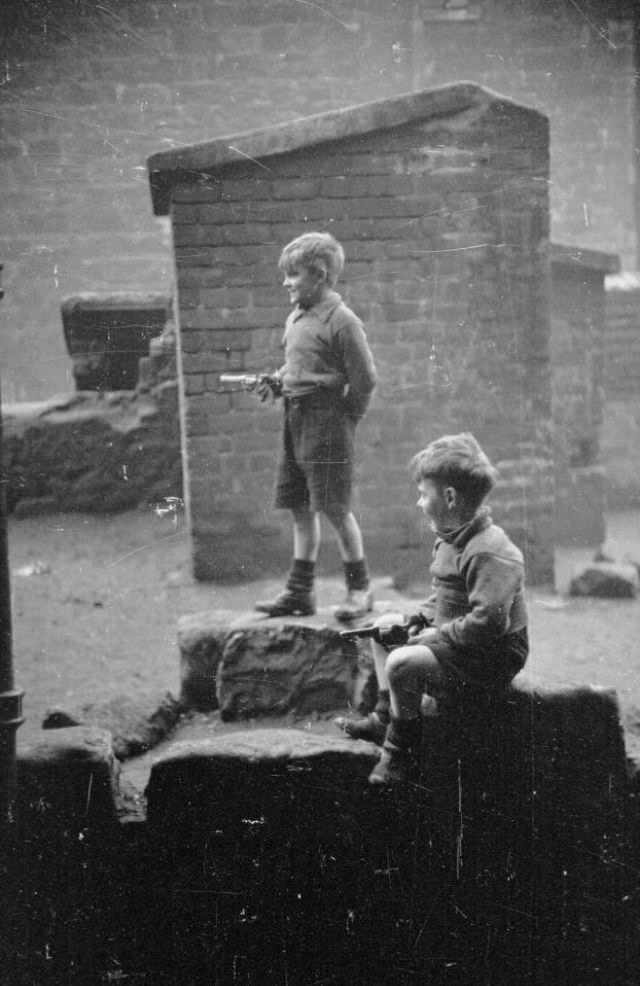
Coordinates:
477 640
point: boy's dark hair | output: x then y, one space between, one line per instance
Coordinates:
316 251
458 461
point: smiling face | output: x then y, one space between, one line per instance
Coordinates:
306 286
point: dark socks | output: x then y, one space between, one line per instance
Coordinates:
382 706
356 574
405 734
300 578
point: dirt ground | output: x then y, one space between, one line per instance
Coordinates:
96 600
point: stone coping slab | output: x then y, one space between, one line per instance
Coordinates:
188 163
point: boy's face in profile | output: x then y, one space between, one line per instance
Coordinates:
435 503
306 287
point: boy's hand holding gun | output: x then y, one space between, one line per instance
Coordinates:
392 635
268 386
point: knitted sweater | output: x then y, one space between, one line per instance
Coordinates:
478 584
326 349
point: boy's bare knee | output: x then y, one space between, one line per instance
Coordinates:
409 660
398 663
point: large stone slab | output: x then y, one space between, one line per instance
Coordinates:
275 859
248 666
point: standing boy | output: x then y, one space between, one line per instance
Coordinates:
477 638
326 382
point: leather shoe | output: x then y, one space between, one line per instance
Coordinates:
395 766
358 603
288 603
370 728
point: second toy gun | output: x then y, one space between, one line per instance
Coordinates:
265 384
392 635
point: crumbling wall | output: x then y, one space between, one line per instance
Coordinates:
94 452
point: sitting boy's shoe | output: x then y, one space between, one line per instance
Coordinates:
358 603
370 728
395 766
288 603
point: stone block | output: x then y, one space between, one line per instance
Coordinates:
249 667
68 778
67 823
135 724
282 666
610 580
201 639
265 839
272 851
106 336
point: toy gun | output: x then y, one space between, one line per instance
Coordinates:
249 381
392 635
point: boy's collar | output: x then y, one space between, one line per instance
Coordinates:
480 520
322 309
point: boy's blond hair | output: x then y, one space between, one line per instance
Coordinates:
315 251
458 461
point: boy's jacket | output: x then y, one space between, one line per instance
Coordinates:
478 584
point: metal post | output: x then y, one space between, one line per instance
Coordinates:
10 697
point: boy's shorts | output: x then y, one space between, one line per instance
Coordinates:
490 669
316 461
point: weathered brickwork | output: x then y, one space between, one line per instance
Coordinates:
621 426
90 90
578 353
448 268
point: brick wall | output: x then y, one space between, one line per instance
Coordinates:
440 200
578 341
621 425
90 90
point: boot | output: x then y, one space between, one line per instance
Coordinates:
297 598
359 599
372 727
398 763
288 603
358 603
